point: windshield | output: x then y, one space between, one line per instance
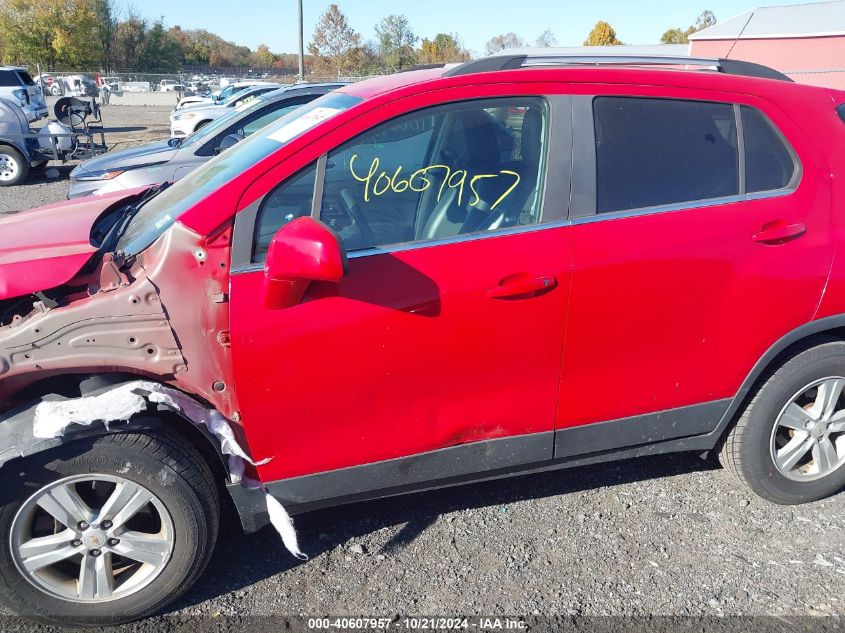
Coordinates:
227 92
211 129
160 212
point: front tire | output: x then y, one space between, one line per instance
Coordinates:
788 446
105 531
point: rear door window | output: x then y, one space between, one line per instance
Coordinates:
653 152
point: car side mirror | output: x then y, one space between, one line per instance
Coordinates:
303 251
228 141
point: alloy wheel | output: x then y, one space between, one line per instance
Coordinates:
808 439
88 538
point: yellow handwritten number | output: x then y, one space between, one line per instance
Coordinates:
418 181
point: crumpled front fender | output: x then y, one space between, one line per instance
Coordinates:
18 436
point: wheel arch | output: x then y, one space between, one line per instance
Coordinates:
784 348
16 146
16 426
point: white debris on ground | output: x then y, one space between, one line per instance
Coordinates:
122 402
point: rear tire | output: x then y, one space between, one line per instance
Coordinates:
14 168
788 446
178 525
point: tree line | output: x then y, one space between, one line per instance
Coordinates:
97 34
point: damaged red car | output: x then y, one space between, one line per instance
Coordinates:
518 264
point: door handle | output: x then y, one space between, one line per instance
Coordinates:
779 232
521 285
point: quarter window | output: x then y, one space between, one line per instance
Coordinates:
652 152
437 173
768 163
26 80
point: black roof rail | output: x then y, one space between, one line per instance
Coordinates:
550 58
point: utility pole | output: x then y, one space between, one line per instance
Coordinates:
301 44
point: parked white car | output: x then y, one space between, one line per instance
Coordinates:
17 86
219 97
185 121
168 85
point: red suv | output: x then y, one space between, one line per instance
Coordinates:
517 264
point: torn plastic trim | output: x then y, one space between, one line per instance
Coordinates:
51 420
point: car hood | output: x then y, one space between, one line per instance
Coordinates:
192 101
46 247
201 109
147 154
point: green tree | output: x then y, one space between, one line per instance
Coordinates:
674 36
444 48
602 35
53 32
396 41
502 42
263 57
160 51
335 46
129 41
106 27
677 36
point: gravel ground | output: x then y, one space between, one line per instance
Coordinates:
123 126
663 536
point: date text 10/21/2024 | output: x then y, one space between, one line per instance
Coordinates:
419 623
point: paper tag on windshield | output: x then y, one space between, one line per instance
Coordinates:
302 124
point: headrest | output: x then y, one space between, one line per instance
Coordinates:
475 139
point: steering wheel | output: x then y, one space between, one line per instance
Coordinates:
354 211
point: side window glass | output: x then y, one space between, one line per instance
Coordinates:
652 152
440 172
768 163
290 200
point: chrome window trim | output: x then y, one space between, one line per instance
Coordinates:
682 206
